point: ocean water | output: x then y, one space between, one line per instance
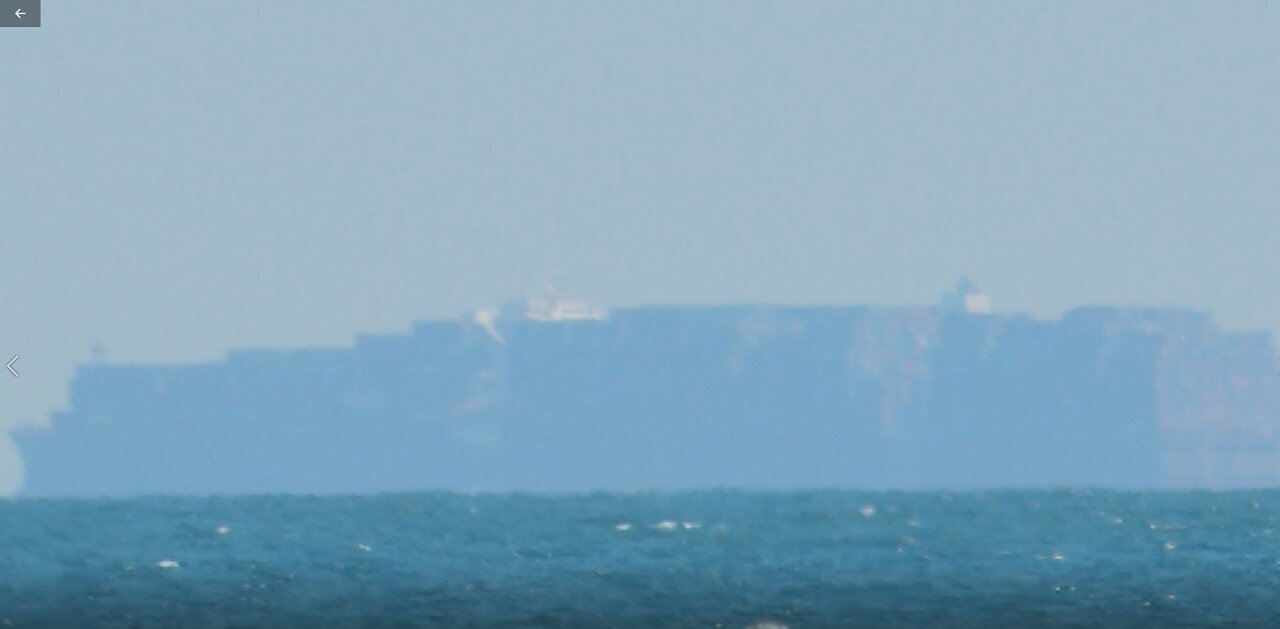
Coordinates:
703 559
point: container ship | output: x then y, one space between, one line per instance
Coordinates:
551 395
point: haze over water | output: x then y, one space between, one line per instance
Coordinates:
182 179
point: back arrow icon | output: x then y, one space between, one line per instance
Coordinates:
10 366
19 13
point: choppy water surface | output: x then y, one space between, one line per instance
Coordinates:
733 559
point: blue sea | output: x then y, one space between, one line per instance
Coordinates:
702 559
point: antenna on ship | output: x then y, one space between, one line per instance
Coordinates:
966 297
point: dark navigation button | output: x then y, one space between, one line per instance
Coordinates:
19 13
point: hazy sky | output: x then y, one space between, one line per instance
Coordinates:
180 178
